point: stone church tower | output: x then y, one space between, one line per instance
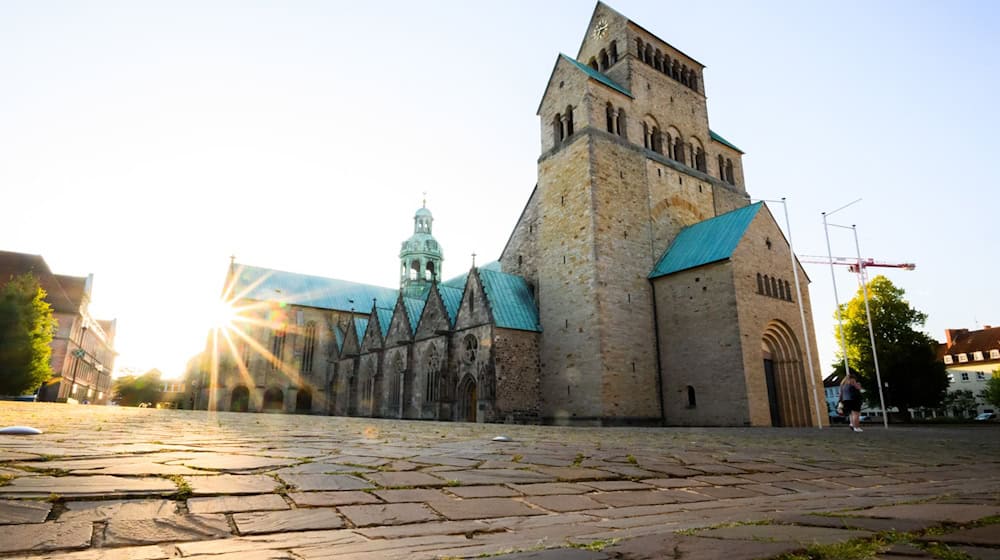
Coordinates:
420 257
627 161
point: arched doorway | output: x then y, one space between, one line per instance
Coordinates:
239 401
304 400
466 400
274 400
785 377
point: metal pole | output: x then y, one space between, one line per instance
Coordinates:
871 331
802 316
836 298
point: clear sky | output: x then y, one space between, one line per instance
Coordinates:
146 142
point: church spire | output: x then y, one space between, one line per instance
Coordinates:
420 256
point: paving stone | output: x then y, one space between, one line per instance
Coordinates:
412 495
321 468
722 480
673 482
13 512
348 497
953 513
614 485
233 463
444 460
988 535
175 528
482 491
309 519
563 503
631 471
867 523
424 529
715 468
230 504
725 492
481 508
147 552
659 547
329 482
117 509
231 484
574 473
46 536
404 479
765 489
388 514
625 499
784 533
555 554
548 488
675 471
977 553
85 486
498 476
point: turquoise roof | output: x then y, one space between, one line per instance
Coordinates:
452 298
414 308
360 326
265 284
723 141
510 300
706 242
598 76
384 319
459 281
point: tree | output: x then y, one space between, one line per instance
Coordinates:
912 377
130 390
26 329
961 403
991 394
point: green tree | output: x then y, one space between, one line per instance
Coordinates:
961 403
26 329
991 394
130 390
912 377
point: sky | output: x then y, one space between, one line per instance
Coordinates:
147 142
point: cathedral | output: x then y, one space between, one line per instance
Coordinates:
640 285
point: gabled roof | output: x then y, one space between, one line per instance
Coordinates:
414 308
967 342
599 76
360 326
510 300
265 284
15 264
451 297
715 136
384 319
460 280
706 242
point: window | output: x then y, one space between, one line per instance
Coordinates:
962 358
309 347
788 291
679 150
692 402
610 116
980 376
767 285
965 376
414 270
429 273
645 135
656 140
621 124
569 121
614 51
947 359
760 284
593 64
471 346
277 347
557 129
729 172
605 60
978 356
431 392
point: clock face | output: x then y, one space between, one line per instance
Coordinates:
601 29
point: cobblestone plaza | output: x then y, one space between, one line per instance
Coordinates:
109 482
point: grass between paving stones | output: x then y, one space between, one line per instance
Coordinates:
595 546
631 459
184 490
578 460
5 479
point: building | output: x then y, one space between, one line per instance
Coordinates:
639 285
971 359
83 354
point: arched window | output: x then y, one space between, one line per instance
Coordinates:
308 347
729 172
277 347
646 143
666 65
432 391
760 284
767 285
414 270
557 129
675 71
693 81
658 60
614 51
788 291
648 54
781 290
430 272
621 124
670 146
638 44
684 75
722 168
593 63
699 159
569 121
605 62
656 140
471 347
610 112
679 150
774 287
692 402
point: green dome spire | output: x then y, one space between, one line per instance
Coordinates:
420 257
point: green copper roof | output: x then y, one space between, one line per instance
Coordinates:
384 319
706 242
360 326
511 300
265 284
339 335
414 308
723 141
598 76
459 281
452 299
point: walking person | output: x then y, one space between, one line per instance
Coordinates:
850 395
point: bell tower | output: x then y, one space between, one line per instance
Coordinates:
420 257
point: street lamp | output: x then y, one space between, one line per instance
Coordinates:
802 311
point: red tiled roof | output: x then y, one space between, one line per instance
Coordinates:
968 342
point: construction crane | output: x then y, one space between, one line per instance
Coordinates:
852 263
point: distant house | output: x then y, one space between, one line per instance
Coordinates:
83 354
971 358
